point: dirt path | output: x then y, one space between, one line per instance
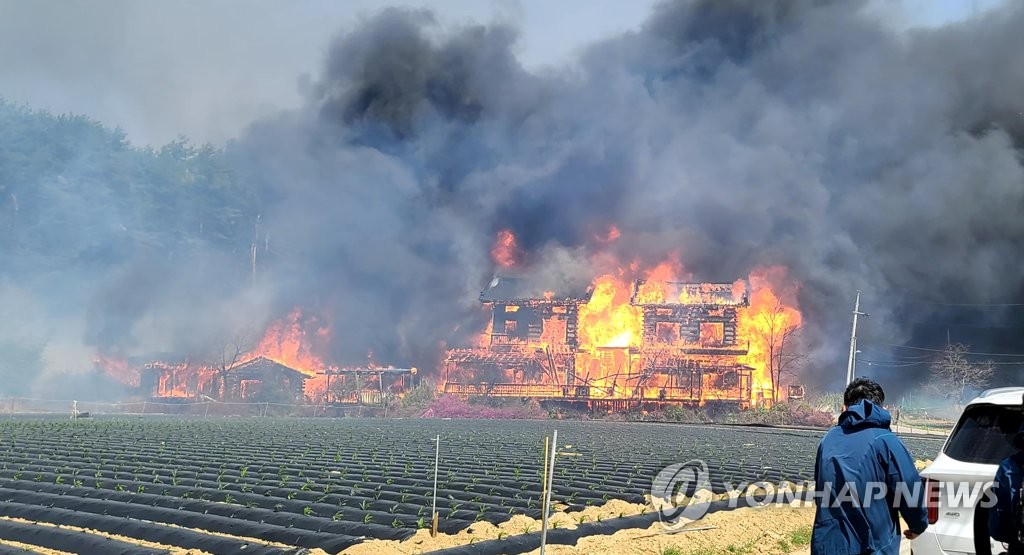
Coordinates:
764 531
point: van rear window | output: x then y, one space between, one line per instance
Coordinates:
984 433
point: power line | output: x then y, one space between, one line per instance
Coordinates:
949 325
890 364
900 363
962 352
976 305
897 358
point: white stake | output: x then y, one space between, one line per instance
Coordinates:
437 460
546 504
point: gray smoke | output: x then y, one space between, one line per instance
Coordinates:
739 134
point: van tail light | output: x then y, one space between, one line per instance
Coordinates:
931 500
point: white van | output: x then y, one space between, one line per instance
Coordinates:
968 460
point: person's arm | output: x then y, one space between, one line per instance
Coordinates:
901 473
1000 524
818 486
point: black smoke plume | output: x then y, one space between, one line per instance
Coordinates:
740 134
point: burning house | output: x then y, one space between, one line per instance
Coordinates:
686 349
689 352
529 349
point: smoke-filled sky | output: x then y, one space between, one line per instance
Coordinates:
861 145
206 69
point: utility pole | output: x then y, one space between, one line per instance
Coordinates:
254 247
853 338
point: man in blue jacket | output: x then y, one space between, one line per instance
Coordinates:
1003 518
864 477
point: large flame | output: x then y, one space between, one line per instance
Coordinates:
609 320
288 342
293 341
614 349
768 324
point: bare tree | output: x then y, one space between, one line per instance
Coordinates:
779 334
227 353
956 373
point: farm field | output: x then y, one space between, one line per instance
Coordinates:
275 485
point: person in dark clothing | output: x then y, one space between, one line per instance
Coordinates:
1003 517
864 477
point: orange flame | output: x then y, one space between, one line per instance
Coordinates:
287 342
506 252
609 320
118 369
610 235
768 324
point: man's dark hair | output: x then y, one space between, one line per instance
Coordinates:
863 388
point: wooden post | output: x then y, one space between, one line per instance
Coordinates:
327 392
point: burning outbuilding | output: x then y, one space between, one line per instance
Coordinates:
255 379
262 379
283 367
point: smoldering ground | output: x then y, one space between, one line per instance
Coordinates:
805 134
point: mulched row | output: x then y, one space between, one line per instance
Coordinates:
329 483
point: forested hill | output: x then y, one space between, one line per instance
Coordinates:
109 248
78 198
